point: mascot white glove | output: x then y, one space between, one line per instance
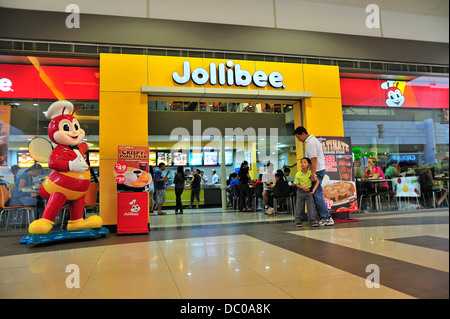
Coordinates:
78 165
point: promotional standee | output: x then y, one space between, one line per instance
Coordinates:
133 180
68 181
339 189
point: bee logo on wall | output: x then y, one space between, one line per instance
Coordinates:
394 95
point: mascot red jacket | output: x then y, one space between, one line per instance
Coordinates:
70 177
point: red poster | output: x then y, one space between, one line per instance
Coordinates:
133 180
131 168
132 213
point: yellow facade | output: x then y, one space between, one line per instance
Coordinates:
124 109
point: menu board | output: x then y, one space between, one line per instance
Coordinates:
180 158
196 158
94 159
164 157
228 158
210 158
152 158
339 188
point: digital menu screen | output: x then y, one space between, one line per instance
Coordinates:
228 158
195 158
152 158
24 159
164 157
210 158
94 159
180 158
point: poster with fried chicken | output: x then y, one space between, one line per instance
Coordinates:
132 169
339 188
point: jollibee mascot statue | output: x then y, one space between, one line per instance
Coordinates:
70 177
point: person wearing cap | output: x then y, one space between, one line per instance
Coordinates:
214 177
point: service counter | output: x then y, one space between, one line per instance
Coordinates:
210 195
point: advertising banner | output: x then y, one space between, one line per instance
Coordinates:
49 82
131 168
133 180
407 186
422 92
339 188
5 116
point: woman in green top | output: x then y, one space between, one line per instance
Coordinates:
392 169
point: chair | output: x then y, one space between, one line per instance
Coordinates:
4 197
439 194
235 197
257 193
288 200
390 193
90 202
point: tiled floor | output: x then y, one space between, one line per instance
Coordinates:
254 257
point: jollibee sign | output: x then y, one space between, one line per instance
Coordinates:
228 73
5 85
223 74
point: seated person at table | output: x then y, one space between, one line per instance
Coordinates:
426 187
280 190
374 172
232 181
258 181
392 169
24 181
357 168
268 179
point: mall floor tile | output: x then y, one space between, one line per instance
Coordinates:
207 254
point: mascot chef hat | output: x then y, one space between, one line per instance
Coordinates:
58 108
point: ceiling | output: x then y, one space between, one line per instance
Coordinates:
438 8
17 59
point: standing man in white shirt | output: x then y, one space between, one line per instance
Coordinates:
314 151
214 177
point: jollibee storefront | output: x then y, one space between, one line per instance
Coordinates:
129 82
